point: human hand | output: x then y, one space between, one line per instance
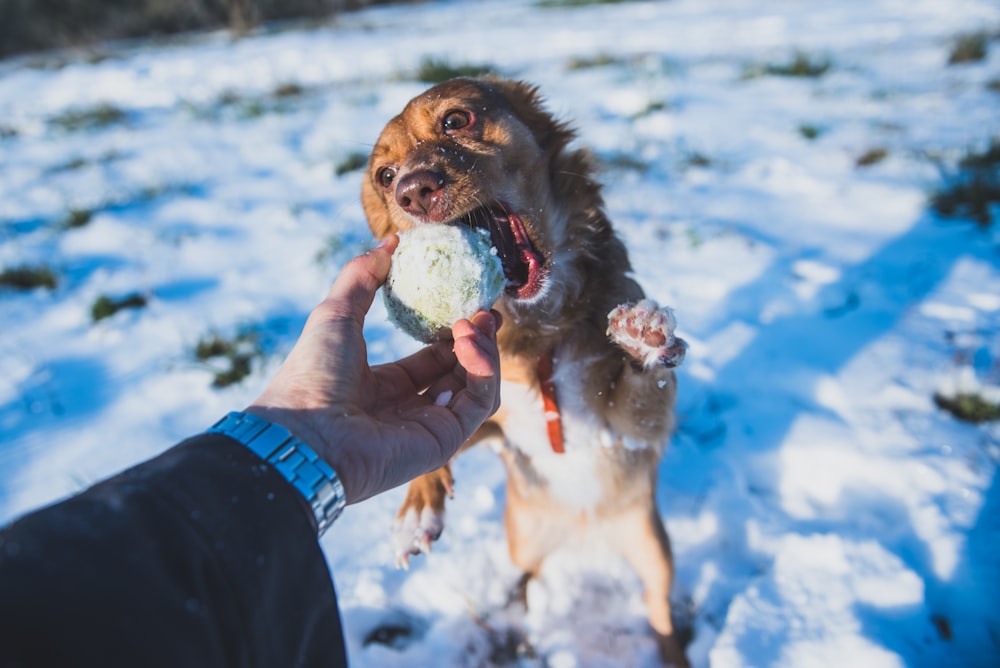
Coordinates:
380 426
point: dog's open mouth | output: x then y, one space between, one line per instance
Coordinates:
523 264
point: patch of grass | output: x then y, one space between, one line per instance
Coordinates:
105 306
697 159
652 107
991 85
26 277
77 218
7 132
968 407
229 97
623 161
233 356
352 162
102 115
79 162
288 90
554 4
970 198
438 70
69 166
282 99
801 66
252 109
591 62
973 191
810 132
969 48
871 157
987 160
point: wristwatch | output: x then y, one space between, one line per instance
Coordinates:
293 459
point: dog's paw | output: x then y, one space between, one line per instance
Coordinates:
420 520
646 332
413 532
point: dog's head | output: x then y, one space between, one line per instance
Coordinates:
482 153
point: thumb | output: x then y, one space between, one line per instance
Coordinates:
359 280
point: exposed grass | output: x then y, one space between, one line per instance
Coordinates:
27 277
801 66
233 356
437 70
809 131
623 161
968 407
991 85
99 116
105 306
284 98
79 162
987 160
71 165
77 218
969 48
551 4
8 132
289 90
970 199
352 162
871 157
973 191
696 159
591 62
652 107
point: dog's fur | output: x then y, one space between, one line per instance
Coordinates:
487 153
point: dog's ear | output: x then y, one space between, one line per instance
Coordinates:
375 209
527 103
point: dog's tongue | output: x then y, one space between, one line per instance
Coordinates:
521 262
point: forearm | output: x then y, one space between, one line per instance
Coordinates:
202 556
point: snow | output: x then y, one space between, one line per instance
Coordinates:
823 511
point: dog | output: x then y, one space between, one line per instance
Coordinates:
588 386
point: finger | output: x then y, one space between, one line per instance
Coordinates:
428 364
477 338
359 280
476 350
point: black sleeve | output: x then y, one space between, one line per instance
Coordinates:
203 556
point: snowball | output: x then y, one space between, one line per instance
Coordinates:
439 275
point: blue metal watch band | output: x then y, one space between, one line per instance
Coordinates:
294 460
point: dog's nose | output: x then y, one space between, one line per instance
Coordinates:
419 191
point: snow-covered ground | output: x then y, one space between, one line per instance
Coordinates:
823 510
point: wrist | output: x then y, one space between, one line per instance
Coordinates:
313 478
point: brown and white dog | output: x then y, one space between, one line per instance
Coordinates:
588 387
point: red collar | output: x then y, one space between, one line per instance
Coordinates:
547 387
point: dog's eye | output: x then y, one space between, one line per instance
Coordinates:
386 176
456 120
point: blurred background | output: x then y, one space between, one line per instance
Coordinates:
812 186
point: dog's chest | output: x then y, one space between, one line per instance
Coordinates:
573 477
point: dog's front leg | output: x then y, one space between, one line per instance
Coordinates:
642 397
646 332
420 519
